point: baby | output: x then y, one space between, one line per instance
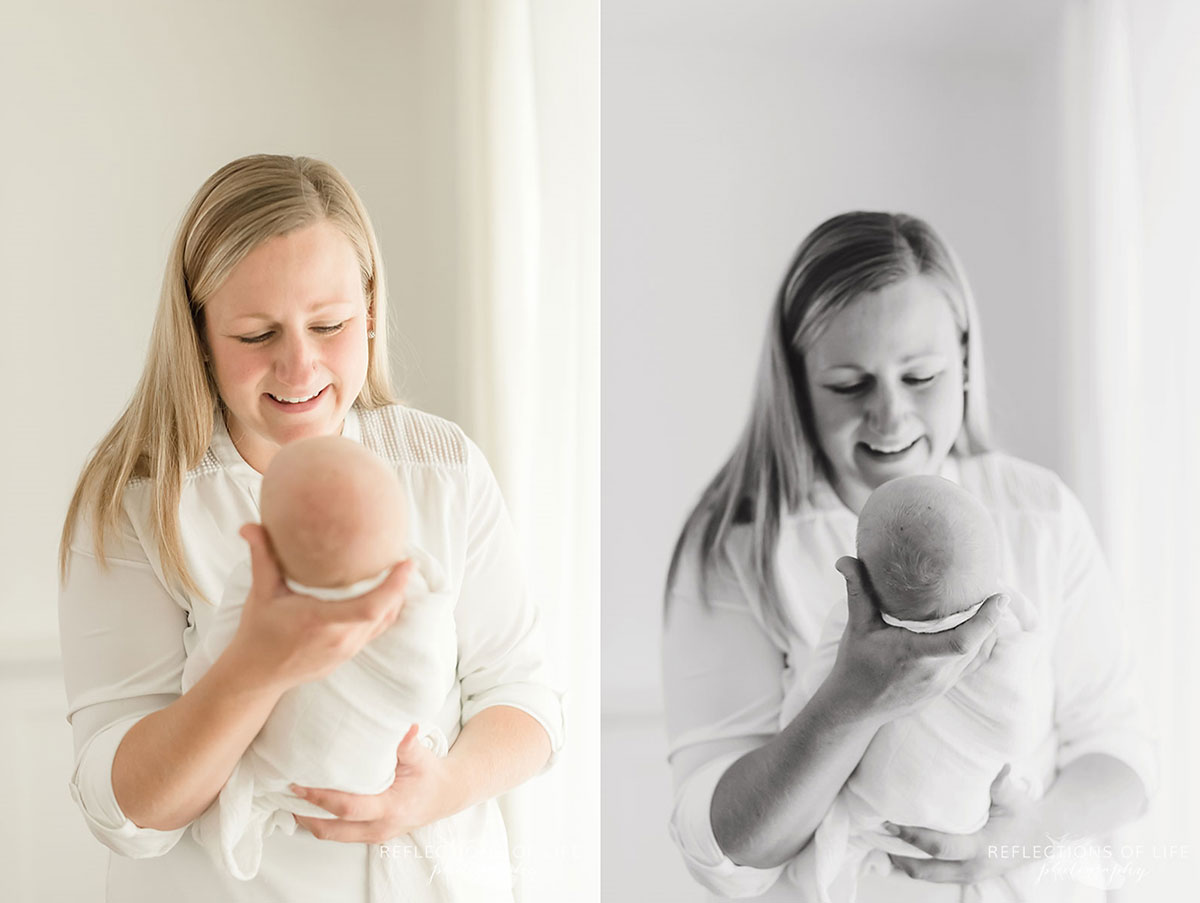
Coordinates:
930 551
336 516
932 557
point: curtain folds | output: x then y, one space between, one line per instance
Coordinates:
1132 98
528 123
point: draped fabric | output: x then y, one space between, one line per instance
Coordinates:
1132 80
529 139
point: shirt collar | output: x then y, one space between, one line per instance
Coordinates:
822 495
231 459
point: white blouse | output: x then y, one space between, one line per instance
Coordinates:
126 634
726 671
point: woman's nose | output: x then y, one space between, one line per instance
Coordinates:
887 409
295 361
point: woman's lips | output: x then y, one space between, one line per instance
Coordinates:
893 454
296 408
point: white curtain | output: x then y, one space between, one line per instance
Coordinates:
1132 77
529 208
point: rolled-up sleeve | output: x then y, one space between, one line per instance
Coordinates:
1098 698
122 649
501 653
722 683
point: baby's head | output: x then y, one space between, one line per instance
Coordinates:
929 547
334 510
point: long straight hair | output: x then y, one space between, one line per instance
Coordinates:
778 457
167 425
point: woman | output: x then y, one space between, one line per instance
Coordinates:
873 369
272 327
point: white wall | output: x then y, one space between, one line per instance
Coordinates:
113 115
729 131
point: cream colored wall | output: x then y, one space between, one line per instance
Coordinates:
113 115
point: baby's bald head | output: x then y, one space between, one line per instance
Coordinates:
334 510
930 548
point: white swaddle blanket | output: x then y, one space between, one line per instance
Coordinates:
933 768
341 732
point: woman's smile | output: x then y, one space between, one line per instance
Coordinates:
288 336
885 378
295 404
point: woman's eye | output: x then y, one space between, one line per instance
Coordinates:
258 339
920 380
852 389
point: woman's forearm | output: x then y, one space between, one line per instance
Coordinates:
172 764
497 750
1094 794
768 803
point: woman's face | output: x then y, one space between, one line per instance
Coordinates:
886 381
289 323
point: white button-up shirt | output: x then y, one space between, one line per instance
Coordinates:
726 671
126 634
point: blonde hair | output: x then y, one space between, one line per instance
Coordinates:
168 424
777 458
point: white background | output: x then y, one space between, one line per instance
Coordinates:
112 115
729 132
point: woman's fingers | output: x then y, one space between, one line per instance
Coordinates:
967 637
265 572
348 831
379 602
862 611
935 843
939 870
981 657
407 744
351 806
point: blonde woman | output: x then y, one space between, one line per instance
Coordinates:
873 369
272 327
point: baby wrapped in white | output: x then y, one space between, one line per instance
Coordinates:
932 558
336 517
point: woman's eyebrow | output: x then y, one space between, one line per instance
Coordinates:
316 308
932 356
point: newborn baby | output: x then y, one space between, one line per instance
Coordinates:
932 557
336 516
930 551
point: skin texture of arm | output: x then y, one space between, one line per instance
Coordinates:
497 750
172 764
812 757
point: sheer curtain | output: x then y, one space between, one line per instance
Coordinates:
529 209
1132 151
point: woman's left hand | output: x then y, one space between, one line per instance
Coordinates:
971 858
421 794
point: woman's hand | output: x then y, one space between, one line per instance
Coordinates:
284 639
963 858
886 672
422 793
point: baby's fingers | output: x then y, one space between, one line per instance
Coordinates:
967 637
